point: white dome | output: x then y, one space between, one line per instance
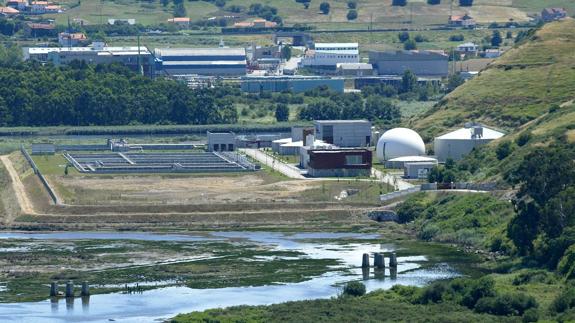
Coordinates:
399 142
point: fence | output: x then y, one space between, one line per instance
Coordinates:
435 186
51 192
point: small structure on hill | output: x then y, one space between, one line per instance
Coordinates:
465 21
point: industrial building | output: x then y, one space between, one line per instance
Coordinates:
399 142
291 146
419 170
220 61
328 55
458 143
354 69
221 141
420 62
295 83
393 80
98 53
400 162
339 162
343 133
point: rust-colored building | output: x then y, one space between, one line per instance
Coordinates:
339 162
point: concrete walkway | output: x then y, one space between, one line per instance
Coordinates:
392 180
288 170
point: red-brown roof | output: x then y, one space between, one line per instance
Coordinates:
8 11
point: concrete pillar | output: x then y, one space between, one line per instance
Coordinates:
393 273
365 261
85 289
378 261
393 260
70 289
53 289
365 273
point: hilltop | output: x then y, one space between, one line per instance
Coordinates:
521 86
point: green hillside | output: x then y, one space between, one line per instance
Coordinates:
517 88
378 12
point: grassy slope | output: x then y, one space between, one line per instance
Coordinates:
518 87
379 11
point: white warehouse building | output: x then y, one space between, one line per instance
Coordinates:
399 142
331 54
458 143
343 133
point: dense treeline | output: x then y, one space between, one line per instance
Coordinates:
35 95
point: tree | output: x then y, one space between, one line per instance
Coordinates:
324 7
401 3
433 2
410 45
454 81
282 112
496 38
503 150
352 15
180 10
408 81
466 3
286 52
352 4
403 36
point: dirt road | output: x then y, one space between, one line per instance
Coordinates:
25 204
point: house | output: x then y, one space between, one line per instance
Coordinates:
180 21
551 14
71 39
8 11
468 49
40 29
465 21
257 23
19 5
53 9
38 7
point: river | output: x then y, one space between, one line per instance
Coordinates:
165 302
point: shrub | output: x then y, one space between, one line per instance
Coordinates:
503 150
351 15
433 2
401 3
420 38
403 36
410 45
466 3
531 315
506 304
354 288
456 38
523 139
352 4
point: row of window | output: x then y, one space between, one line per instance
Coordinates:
338 48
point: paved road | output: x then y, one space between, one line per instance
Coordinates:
287 170
18 187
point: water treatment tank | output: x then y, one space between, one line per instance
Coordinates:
399 142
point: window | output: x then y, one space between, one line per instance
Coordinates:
353 159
